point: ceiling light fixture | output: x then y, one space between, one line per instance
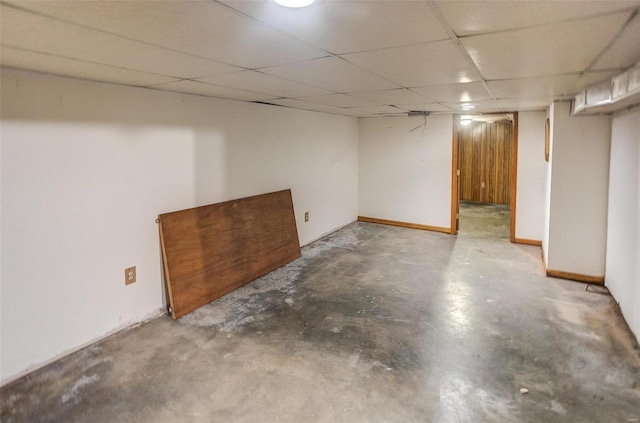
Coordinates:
467 106
465 122
294 3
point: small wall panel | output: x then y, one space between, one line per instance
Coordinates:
209 251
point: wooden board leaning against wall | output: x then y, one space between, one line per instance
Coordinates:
211 250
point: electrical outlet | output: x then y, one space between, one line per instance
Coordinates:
306 216
129 275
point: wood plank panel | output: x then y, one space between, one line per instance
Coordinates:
489 165
480 177
465 137
209 251
476 163
503 154
500 161
485 162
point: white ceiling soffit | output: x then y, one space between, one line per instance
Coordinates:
618 93
352 58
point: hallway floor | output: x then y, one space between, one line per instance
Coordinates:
485 220
373 324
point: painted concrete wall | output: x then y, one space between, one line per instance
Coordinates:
87 167
403 175
579 181
623 233
532 170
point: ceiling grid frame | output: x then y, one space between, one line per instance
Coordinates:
456 41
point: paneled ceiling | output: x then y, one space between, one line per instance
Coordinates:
354 58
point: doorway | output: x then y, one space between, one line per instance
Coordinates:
484 174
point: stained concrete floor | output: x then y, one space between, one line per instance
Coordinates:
484 220
373 324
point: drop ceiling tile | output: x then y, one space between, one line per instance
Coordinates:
524 104
484 106
202 28
331 73
489 118
266 84
477 17
418 65
423 107
399 95
347 112
337 100
625 51
29 60
550 86
379 110
590 78
473 91
33 32
200 88
552 50
469 107
354 26
299 104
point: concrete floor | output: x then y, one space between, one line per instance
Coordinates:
374 323
484 220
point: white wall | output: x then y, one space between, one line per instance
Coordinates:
405 176
623 234
532 171
577 219
86 169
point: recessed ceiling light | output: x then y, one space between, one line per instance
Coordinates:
467 106
465 122
294 3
